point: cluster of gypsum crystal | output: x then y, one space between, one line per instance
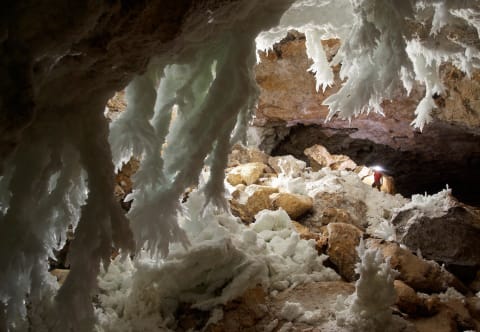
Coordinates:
62 171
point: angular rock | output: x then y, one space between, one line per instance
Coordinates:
452 238
246 173
244 313
332 214
288 165
319 157
317 301
463 319
321 239
444 321
258 200
333 207
343 240
304 231
258 311
294 204
422 275
410 303
453 315
242 155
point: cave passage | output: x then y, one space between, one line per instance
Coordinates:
441 155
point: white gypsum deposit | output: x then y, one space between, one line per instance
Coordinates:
153 219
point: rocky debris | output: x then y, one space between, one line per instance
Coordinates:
247 174
320 238
307 307
452 238
246 313
443 321
333 207
410 303
294 204
247 201
288 165
343 240
319 157
452 315
315 302
304 232
258 199
336 224
462 316
241 154
411 156
421 275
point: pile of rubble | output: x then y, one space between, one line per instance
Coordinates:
429 297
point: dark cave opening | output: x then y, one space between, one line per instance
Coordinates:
442 155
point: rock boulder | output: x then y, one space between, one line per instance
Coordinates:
288 165
258 199
343 240
319 157
452 238
242 155
294 204
333 207
247 174
422 275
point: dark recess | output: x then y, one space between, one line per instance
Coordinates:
415 172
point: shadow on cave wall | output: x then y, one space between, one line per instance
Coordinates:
432 162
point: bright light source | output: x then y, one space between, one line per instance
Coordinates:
377 168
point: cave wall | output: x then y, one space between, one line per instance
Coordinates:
73 56
447 151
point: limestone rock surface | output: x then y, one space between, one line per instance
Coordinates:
294 204
452 238
319 157
258 311
333 207
288 165
258 199
452 316
343 240
410 303
247 174
422 275
241 155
